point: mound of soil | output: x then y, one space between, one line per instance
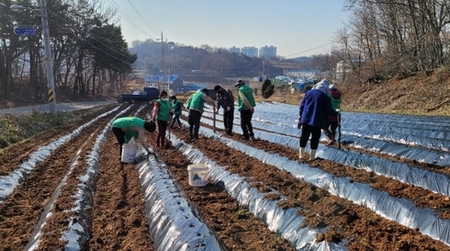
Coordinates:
117 218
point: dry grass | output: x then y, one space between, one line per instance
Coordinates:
418 95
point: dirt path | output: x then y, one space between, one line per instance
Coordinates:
119 221
22 210
111 215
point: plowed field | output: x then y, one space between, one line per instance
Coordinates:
67 189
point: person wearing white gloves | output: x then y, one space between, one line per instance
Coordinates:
225 99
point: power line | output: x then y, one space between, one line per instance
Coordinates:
107 46
123 14
96 47
308 50
142 17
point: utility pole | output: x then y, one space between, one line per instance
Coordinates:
47 50
48 57
163 65
168 81
264 68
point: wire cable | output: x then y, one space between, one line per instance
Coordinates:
123 14
94 46
139 14
315 48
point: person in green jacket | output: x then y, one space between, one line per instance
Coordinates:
161 113
195 105
246 106
333 120
176 109
126 128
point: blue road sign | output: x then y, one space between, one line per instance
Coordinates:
25 30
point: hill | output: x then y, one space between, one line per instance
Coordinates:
422 94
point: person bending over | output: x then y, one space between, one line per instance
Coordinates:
126 128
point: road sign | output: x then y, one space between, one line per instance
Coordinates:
25 30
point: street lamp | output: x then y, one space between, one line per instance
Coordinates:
47 51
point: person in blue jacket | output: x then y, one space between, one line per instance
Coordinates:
313 116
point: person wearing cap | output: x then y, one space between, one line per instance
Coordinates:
126 128
161 113
314 110
246 106
333 120
225 99
176 110
195 105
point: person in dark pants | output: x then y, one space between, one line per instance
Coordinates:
128 127
333 120
176 110
314 110
195 105
225 100
246 106
161 113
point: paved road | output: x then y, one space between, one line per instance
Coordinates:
59 107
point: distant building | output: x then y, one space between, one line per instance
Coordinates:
138 73
162 81
234 49
250 51
135 84
343 68
189 88
268 52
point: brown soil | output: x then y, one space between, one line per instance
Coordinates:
118 220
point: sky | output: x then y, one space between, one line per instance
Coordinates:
295 27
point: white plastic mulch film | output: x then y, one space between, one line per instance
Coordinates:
174 223
285 223
420 138
9 182
78 233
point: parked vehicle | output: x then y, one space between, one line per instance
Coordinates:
148 94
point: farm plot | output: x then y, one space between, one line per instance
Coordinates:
386 189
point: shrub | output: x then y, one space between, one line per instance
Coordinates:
269 91
265 85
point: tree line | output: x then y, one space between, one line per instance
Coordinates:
89 53
382 39
197 63
394 38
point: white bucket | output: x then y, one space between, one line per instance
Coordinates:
198 175
128 153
